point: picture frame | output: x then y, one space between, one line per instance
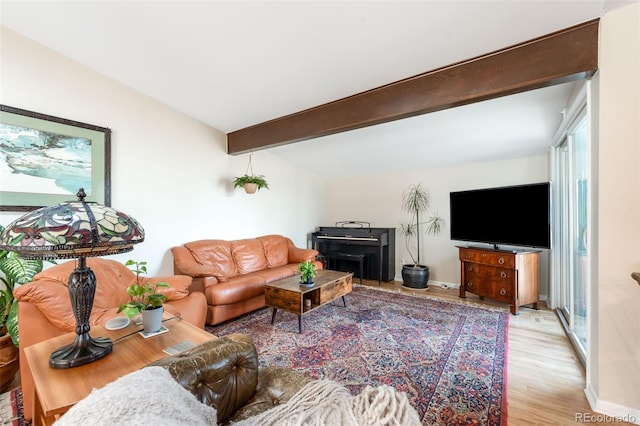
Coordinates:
44 160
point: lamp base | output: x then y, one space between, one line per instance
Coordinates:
83 350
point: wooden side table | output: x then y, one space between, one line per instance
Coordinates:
57 390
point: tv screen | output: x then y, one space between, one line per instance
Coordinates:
510 215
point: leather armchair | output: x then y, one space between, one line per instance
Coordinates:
44 308
223 373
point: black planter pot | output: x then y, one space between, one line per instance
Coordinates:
415 276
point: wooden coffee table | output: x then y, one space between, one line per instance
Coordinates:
290 296
57 390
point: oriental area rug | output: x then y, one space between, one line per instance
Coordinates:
449 358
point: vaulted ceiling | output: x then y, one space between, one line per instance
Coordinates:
234 64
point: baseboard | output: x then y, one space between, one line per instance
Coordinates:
441 284
609 412
444 285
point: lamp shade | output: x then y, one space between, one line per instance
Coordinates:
72 229
75 229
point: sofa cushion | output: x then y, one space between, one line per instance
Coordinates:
112 280
276 250
248 255
238 289
274 274
216 255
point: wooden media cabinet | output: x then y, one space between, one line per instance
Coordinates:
507 276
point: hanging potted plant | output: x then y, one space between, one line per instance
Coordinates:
415 201
250 182
144 299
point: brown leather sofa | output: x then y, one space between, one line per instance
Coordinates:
233 274
44 308
223 373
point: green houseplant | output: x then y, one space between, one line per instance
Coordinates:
15 271
144 298
307 271
415 201
250 183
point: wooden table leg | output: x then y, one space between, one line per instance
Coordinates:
300 324
273 316
38 414
344 301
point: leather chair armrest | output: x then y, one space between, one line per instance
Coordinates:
221 373
192 308
178 285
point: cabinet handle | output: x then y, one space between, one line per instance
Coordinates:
467 255
503 274
469 268
503 292
469 284
501 260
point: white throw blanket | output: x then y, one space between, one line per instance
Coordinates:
149 396
326 403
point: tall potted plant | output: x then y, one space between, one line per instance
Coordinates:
144 299
415 201
15 271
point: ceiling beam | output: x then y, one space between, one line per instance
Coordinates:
566 55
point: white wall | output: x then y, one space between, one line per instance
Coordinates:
378 199
613 370
169 171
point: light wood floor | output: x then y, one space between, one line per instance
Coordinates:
545 379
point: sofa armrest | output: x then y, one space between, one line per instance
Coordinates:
221 373
178 285
185 264
297 255
192 308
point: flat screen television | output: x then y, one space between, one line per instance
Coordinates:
509 215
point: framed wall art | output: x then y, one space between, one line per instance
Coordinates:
44 160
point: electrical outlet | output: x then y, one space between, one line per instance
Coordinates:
402 262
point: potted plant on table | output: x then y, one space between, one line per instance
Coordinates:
415 201
144 299
307 271
16 271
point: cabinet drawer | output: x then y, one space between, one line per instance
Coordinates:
493 290
503 259
489 281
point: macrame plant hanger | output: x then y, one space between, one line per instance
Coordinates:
249 167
